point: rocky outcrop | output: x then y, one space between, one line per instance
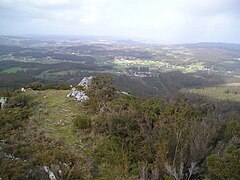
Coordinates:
50 173
81 95
3 101
23 90
86 81
78 95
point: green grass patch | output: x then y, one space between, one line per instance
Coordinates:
48 73
55 112
14 70
231 93
197 65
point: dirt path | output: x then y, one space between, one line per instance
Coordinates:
56 112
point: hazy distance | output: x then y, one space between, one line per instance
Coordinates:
164 21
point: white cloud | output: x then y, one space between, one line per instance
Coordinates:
171 20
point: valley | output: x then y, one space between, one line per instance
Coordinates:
149 111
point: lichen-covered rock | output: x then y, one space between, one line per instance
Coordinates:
50 173
78 95
23 90
81 95
3 101
86 81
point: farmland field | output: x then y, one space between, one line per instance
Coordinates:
231 93
14 70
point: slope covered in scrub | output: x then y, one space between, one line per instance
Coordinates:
114 135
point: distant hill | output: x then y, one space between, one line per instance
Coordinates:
217 45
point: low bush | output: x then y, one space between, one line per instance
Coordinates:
40 86
56 86
82 122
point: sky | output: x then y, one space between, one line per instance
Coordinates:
166 21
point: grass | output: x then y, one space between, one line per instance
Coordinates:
219 93
43 74
55 112
14 70
59 73
197 65
62 73
183 52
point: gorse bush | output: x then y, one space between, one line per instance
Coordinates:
22 100
40 86
34 86
15 99
56 86
82 122
226 166
153 138
117 136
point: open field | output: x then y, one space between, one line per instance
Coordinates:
231 93
14 70
197 65
48 73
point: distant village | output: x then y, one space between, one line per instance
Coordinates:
144 68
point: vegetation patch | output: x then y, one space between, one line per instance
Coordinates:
14 70
82 122
220 93
119 136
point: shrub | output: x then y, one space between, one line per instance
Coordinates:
225 166
21 100
56 86
82 122
40 86
34 86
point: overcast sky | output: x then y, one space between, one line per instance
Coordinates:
167 21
